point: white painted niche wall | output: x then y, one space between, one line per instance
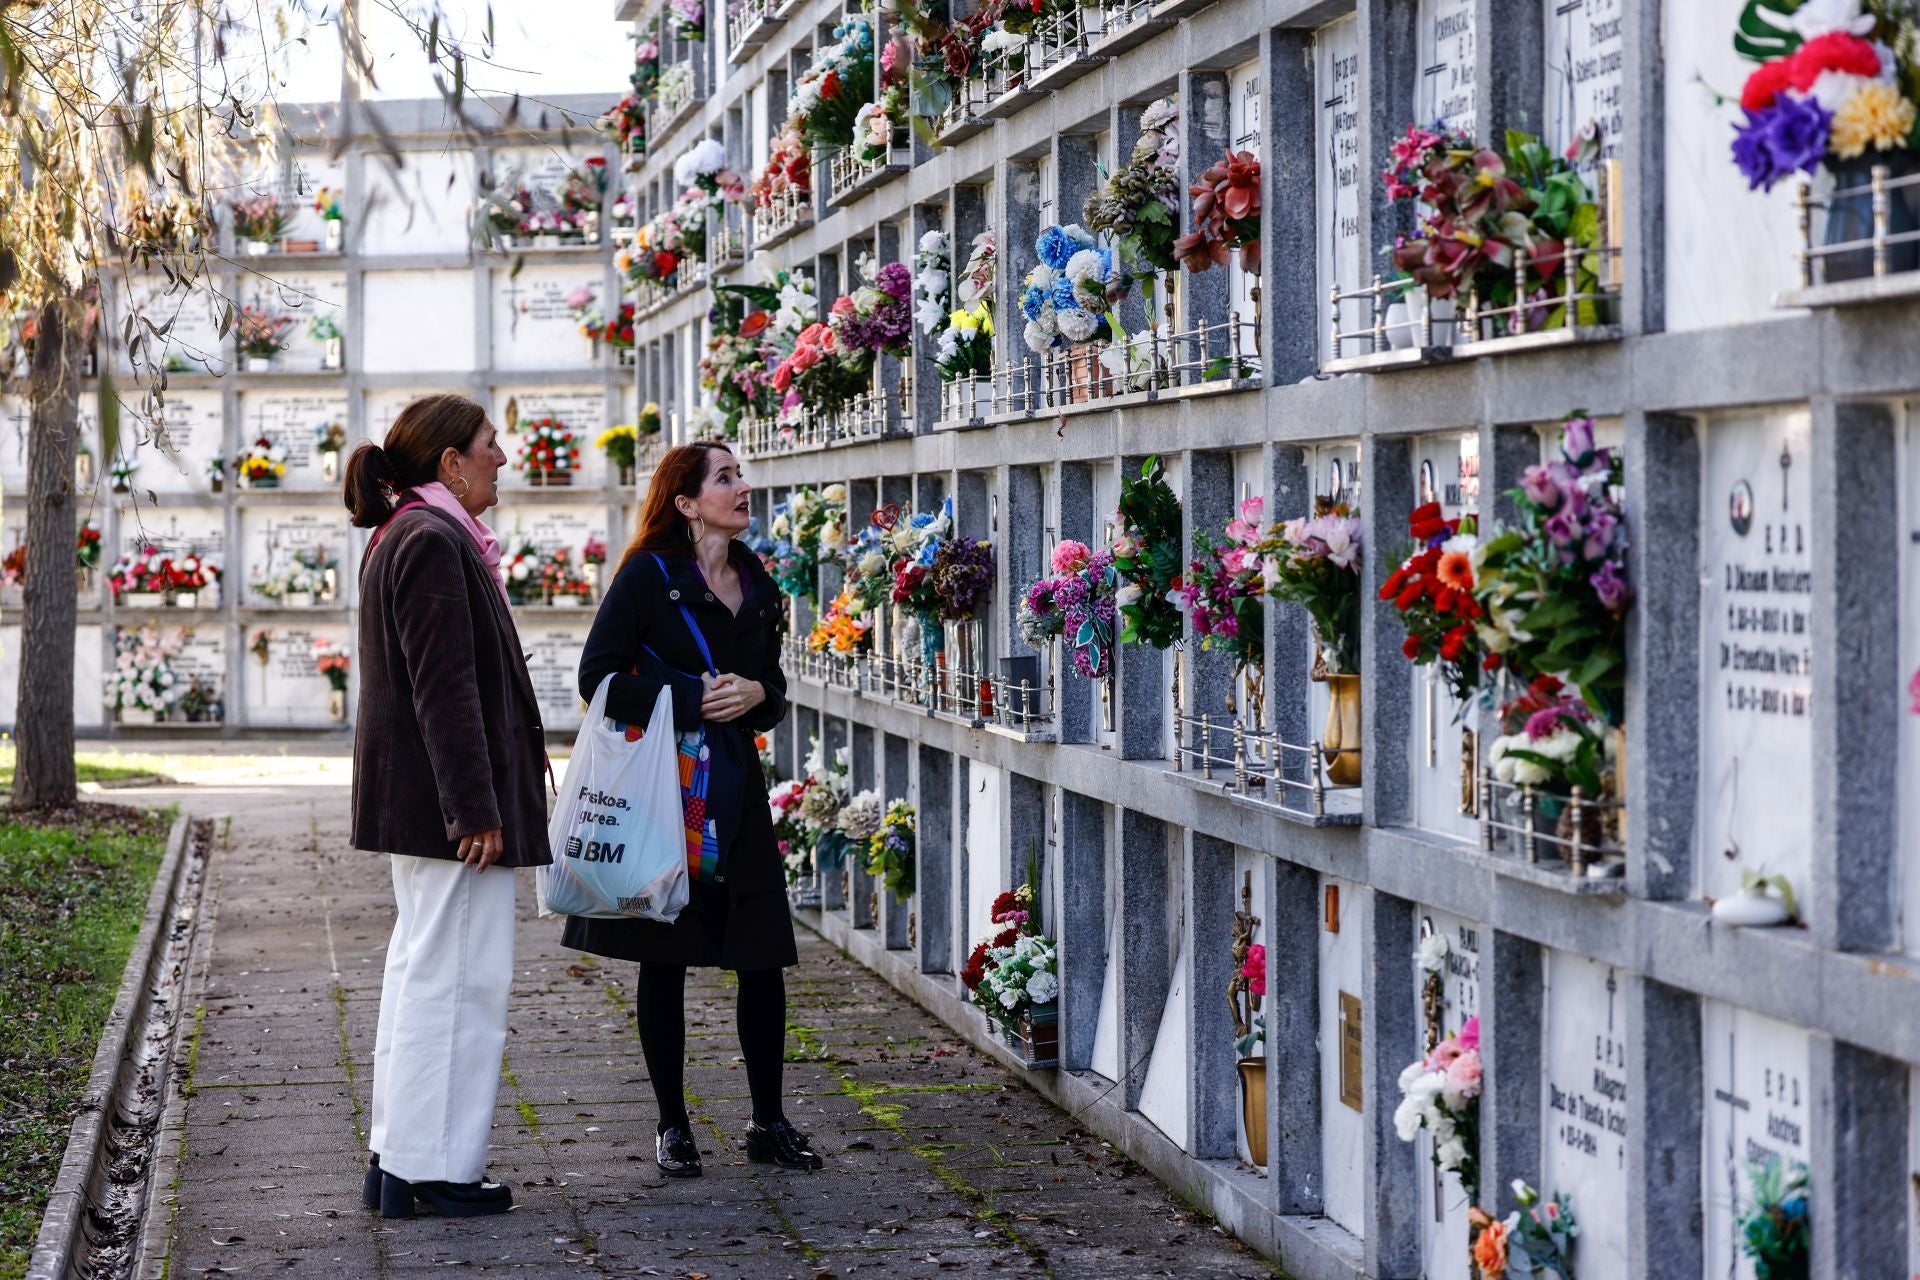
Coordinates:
1343 1128
1446 470
1585 1111
1756 1104
1443 1201
1756 726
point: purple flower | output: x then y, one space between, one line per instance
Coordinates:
895 279
1103 609
1600 527
1777 140
1542 723
1579 441
1609 586
1538 484
1040 598
1070 593
1562 528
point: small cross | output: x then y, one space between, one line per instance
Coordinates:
1613 985
1786 461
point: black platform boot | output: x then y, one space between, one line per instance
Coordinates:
782 1144
674 1151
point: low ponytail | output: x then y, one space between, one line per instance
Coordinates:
369 486
379 475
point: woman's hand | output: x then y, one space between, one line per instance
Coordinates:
482 849
729 697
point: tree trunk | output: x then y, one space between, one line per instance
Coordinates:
43 720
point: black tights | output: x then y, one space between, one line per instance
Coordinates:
660 1009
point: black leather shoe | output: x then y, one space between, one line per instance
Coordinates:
782 1144
448 1199
674 1151
370 1189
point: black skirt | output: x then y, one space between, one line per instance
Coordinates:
715 929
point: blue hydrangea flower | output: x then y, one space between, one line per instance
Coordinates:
1054 247
1032 300
1063 296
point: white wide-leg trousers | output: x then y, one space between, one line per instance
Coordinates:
443 1019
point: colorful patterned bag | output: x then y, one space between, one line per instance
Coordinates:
696 769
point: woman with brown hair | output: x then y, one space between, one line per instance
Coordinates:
447 764
687 592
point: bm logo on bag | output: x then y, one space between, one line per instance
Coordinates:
593 811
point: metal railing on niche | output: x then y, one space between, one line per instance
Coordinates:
781 216
749 22
1407 325
848 175
962 115
674 98
865 417
1580 835
1210 356
1871 231
1258 764
1015 700
1062 37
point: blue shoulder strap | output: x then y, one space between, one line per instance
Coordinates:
699 638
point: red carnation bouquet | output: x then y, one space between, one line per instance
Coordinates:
550 453
1433 590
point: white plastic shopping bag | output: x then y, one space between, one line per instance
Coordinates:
618 835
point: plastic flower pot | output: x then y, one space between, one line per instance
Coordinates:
259 364
137 716
336 232
1253 1108
256 248
297 600
143 599
1035 1040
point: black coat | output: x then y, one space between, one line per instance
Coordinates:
745 919
448 740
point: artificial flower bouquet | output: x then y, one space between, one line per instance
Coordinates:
1441 1094
1774 1228
1480 210
965 344
326 203
827 97
262 219
826 794
675 84
1433 592
260 333
626 123
890 851
1315 563
1226 216
149 571
305 577
843 630
1146 558
1138 206
1535 1240
962 576
1552 742
876 122
741 353
805 526
1221 592
544 577
87 545
143 678
932 282
791 836
1077 604
507 210
1070 292
819 375
1836 86
689 18
333 664
549 454
586 186
704 168
1553 591
788 175
877 317
262 464
1015 974
650 420
620 443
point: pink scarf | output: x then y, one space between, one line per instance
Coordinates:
439 497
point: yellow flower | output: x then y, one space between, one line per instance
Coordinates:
623 431
652 410
1875 115
986 320
963 321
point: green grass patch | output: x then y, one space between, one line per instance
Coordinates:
73 889
92 766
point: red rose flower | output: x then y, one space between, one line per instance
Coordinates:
1411 647
1765 84
1835 51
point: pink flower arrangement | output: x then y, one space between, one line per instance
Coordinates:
1255 969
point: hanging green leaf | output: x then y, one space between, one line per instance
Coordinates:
1763 33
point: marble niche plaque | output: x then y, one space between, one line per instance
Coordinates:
1586 72
584 409
553 660
1756 1105
197 530
176 459
424 205
272 536
286 689
192 343
1444 87
1447 471
1345 908
417 320
1444 1009
1584 1108
533 327
384 406
1339 180
311 171
548 528
201 656
88 713
303 296
1756 732
16 430
294 421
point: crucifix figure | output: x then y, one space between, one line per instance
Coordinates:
1786 461
513 293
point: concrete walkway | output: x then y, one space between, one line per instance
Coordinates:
939 1162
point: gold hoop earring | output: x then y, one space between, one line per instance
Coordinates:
466 486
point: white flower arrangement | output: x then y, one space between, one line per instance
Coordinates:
1001 40
930 281
704 159
143 678
860 817
675 82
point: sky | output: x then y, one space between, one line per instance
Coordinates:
541 48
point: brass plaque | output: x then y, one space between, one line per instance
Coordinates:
1352 1069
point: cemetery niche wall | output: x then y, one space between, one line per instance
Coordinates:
1432 734
218 576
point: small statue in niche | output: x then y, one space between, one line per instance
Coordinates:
1240 995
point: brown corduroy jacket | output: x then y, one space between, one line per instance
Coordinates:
448 740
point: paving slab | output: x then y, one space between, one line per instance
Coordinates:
940 1162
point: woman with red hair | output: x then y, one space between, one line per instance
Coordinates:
686 572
